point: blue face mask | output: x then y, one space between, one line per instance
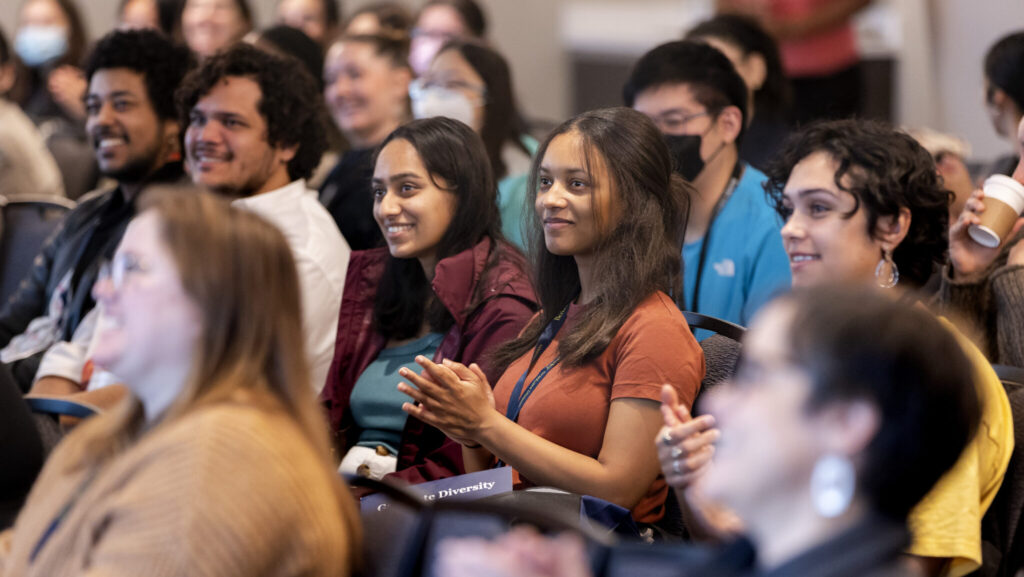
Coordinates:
38 45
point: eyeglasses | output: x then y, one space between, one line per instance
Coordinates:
674 122
420 85
118 269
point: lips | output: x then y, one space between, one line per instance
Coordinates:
557 223
205 158
397 229
800 259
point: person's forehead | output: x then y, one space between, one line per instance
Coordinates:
232 94
110 80
667 97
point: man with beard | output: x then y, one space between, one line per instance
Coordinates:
255 131
133 126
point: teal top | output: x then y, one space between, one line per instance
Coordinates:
376 403
512 199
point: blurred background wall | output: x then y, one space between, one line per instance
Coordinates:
925 55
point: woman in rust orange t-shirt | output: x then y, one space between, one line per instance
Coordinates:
577 406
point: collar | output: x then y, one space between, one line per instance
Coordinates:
270 200
456 277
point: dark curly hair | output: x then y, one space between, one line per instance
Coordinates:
162 64
290 103
885 170
1004 67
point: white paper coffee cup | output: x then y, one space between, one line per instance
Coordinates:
1004 202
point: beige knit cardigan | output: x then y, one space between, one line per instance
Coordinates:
228 490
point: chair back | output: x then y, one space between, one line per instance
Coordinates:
27 222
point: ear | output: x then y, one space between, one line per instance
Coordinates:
285 154
730 122
401 77
847 427
757 70
891 230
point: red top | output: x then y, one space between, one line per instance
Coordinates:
505 305
824 53
570 406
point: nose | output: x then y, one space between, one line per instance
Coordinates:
793 228
552 198
389 205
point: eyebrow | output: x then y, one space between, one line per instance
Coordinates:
566 171
115 94
400 176
809 191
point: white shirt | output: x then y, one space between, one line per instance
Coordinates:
321 256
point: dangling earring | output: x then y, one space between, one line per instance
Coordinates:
832 485
886 273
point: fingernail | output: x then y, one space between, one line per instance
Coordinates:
446 362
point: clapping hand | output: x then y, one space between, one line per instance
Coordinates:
685 444
450 396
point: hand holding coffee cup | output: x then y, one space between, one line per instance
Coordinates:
968 257
1003 205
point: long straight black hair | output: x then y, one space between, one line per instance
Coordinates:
455 159
638 257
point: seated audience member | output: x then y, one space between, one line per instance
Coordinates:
755 56
367 91
319 19
132 122
379 19
26 165
577 407
162 15
1004 97
864 207
284 40
472 83
209 26
950 154
452 288
440 21
818 44
733 259
985 286
255 132
844 412
51 43
218 463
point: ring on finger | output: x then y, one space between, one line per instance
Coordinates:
666 438
675 467
676 452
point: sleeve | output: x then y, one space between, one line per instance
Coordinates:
968 302
1008 297
321 301
67 358
432 455
643 362
769 273
30 299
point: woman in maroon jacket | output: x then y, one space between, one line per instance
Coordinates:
447 286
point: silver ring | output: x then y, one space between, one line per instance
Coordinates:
675 467
676 452
666 438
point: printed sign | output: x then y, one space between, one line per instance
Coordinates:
469 487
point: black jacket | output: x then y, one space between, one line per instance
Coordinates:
88 235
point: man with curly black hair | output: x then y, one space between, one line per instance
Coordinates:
134 130
256 130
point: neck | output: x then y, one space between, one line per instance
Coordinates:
429 264
777 543
585 269
159 389
710 184
372 136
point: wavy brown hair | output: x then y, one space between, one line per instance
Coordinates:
638 257
251 340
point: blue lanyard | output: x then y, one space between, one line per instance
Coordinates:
519 396
61 515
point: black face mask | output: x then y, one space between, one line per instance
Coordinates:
685 152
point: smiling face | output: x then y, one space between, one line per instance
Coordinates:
574 202
212 25
150 326
129 139
226 142
411 208
365 93
824 242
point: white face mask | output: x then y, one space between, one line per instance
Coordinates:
438 101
